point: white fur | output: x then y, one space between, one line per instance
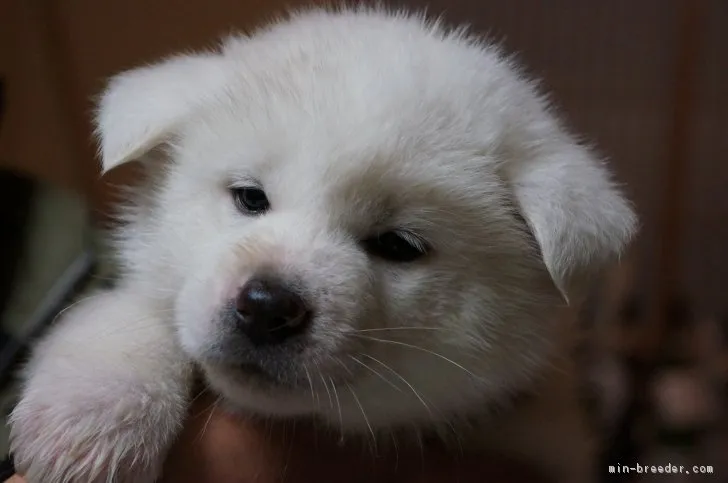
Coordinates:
353 123
104 395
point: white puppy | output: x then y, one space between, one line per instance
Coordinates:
356 204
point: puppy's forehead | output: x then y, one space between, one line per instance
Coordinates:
356 83
356 114
405 155
395 192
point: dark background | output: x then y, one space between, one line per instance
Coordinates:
645 81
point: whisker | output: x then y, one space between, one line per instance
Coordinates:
289 451
346 368
421 444
209 418
135 324
310 383
458 440
364 414
328 391
404 344
74 304
383 329
199 394
128 326
398 375
396 451
366 366
338 404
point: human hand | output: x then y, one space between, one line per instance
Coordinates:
218 447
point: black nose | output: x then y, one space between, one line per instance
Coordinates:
269 313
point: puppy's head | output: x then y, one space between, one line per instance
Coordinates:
358 216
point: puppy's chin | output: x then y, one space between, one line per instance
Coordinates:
251 390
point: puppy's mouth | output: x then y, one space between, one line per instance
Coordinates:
279 373
258 375
254 370
270 374
285 366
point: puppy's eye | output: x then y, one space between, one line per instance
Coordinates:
251 200
395 247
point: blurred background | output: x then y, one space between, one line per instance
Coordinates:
645 81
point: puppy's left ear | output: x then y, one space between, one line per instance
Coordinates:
579 218
140 109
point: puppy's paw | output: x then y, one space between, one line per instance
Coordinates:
103 396
65 432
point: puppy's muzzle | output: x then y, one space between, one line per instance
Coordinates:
267 312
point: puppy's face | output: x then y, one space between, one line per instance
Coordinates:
314 266
358 217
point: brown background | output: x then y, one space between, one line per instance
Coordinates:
614 68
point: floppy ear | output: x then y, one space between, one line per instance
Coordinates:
141 108
579 218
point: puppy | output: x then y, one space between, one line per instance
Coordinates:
355 216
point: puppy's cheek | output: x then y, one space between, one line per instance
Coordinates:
342 311
197 312
419 296
280 403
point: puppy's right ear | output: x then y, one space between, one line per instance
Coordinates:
140 109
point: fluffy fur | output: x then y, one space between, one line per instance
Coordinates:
354 123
